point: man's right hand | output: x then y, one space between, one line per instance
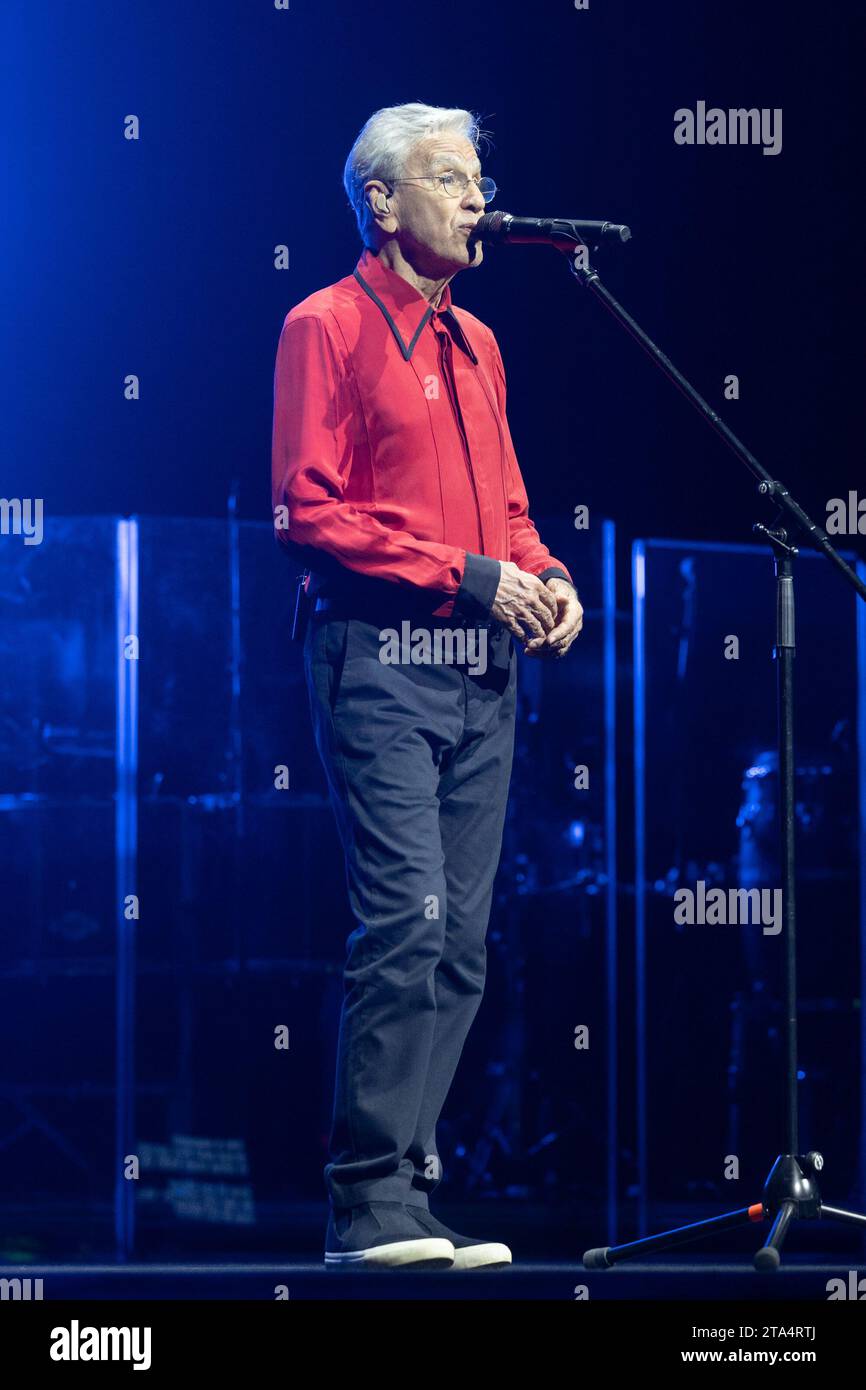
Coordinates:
523 603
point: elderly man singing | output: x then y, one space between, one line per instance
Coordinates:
395 479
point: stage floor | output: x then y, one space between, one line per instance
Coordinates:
698 1279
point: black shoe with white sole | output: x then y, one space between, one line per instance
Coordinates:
468 1253
383 1235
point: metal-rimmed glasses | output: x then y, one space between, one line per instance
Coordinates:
455 185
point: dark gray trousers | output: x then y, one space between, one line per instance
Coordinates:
418 761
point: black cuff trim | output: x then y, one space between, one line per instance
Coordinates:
554 573
481 576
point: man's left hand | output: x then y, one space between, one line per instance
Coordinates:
569 621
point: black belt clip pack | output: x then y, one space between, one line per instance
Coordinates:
303 603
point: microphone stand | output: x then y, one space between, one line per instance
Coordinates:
790 1191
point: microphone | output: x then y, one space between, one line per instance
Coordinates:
502 229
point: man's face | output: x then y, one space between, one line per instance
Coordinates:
433 228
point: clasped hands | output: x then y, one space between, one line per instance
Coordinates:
544 617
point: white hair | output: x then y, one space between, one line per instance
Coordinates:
385 143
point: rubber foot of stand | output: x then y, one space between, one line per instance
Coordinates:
596 1259
768 1258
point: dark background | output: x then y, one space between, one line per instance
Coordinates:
156 256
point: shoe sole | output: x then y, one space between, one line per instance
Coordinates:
431 1253
490 1256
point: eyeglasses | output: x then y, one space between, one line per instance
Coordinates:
455 185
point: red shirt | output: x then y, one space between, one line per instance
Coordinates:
391 448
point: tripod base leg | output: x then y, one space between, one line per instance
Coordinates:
605 1256
850 1218
769 1256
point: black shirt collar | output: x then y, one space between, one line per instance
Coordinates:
405 309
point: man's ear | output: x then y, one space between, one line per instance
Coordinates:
379 202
